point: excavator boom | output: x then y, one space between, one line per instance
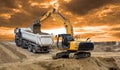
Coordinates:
59 17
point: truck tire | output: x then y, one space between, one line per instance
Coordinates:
18 42
23 44
30 48
34 50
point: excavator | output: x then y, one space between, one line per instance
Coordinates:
80 49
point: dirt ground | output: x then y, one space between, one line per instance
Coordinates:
104 57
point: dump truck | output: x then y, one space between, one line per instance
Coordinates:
33 39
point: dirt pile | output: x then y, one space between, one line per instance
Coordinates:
69 64
9 54
5 58
16 58
82 64
12 49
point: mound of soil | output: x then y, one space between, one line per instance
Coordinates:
69 64
5 58
98 60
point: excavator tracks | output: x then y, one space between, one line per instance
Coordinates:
61 55
76 55
79 55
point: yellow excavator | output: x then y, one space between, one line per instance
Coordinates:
68 44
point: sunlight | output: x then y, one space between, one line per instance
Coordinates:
6 31
53 3
55 31
67 1
5 15
92 28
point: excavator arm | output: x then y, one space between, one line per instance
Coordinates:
59 17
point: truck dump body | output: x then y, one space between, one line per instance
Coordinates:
24 37
42 39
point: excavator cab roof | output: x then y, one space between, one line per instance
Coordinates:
59 35
66 36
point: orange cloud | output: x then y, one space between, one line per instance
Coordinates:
48 4
98 20
5 16
6 33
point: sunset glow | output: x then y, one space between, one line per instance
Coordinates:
98 33
99 20
5 16
55 31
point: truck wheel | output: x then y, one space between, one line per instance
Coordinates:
34 50
30 48
23 44
17 42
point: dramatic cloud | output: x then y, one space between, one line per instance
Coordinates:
8 3
82 7
90 18
6 33
117 34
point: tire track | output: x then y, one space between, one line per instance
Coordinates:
27 61
9 52
5 58
22 50
28 54
14 51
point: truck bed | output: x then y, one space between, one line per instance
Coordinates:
41 33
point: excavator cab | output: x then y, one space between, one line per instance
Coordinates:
63 41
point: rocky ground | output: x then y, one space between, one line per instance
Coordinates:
104 57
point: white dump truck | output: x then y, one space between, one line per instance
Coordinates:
33 40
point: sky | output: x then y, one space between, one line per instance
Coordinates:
95 19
